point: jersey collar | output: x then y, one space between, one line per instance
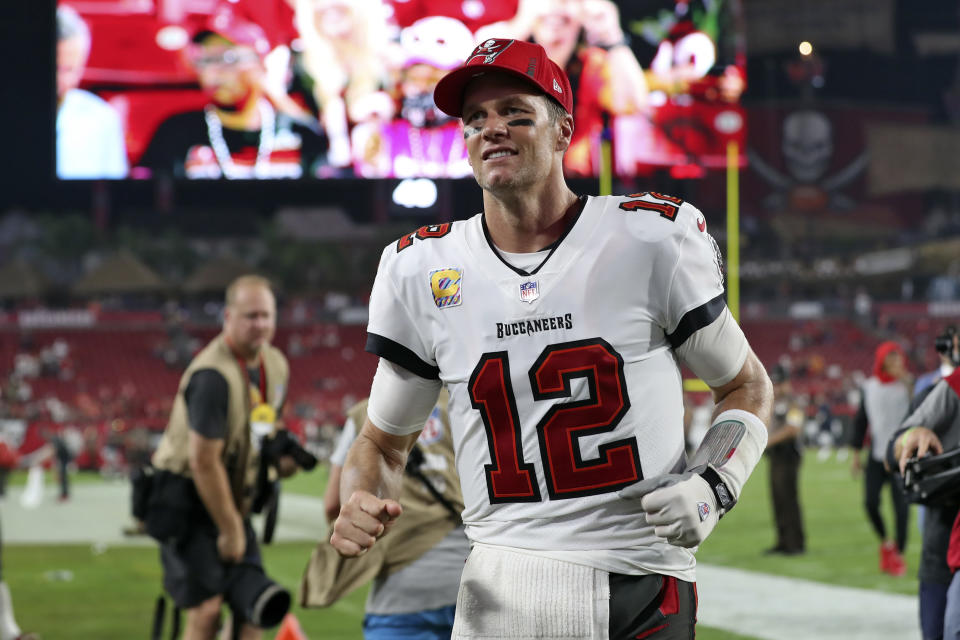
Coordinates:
553 246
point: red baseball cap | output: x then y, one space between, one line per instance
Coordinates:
227 24
526 60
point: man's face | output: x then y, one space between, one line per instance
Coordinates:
227 72
558 22
250 321
333 18
894 363
420 79
71 61
511 141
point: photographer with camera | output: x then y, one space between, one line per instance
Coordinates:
932 428
943 344
206 468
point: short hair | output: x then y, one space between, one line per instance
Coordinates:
554 109
250 279
70 25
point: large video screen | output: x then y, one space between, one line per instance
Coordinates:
326 89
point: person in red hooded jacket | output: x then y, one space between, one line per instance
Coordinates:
884 402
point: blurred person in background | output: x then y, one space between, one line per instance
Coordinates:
344 54
229 401
8 460
239 134
61 446
421 141
416 573
90 142
276 18
884 402
932 428
948 361
784 452
63 456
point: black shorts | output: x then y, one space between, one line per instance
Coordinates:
192 569
654 607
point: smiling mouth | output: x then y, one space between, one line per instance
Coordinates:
499 154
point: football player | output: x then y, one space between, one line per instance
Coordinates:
557 322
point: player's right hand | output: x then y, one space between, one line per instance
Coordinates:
917 442
363 518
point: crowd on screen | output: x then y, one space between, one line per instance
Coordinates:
331 88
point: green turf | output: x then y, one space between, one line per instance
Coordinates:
308 483
842 548
19 478
111 594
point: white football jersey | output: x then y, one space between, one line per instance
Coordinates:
564 387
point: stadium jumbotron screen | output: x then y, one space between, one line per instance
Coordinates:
326 89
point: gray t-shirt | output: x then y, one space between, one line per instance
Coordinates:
886 404
429 583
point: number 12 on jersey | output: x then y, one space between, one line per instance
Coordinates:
509 477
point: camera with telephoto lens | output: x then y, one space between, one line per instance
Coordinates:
255 598
944 345
283 443
933 479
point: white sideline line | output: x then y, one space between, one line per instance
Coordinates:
779 608
97 513
760 605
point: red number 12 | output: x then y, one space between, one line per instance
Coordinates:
568 475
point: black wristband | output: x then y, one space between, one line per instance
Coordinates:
725 499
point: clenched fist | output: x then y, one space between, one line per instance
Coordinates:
680 506
363 519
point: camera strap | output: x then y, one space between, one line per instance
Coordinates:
414 461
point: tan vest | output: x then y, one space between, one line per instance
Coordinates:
423 524
240 455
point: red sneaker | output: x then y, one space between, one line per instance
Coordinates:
897 567
887 549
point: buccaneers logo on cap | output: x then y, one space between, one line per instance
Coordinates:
489 50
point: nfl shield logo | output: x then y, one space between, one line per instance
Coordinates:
529 291
704 510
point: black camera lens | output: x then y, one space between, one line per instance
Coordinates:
255 598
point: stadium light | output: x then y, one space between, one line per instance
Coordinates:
420 193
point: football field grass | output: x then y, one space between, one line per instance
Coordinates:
87 591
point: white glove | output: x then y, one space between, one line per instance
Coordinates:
681 506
